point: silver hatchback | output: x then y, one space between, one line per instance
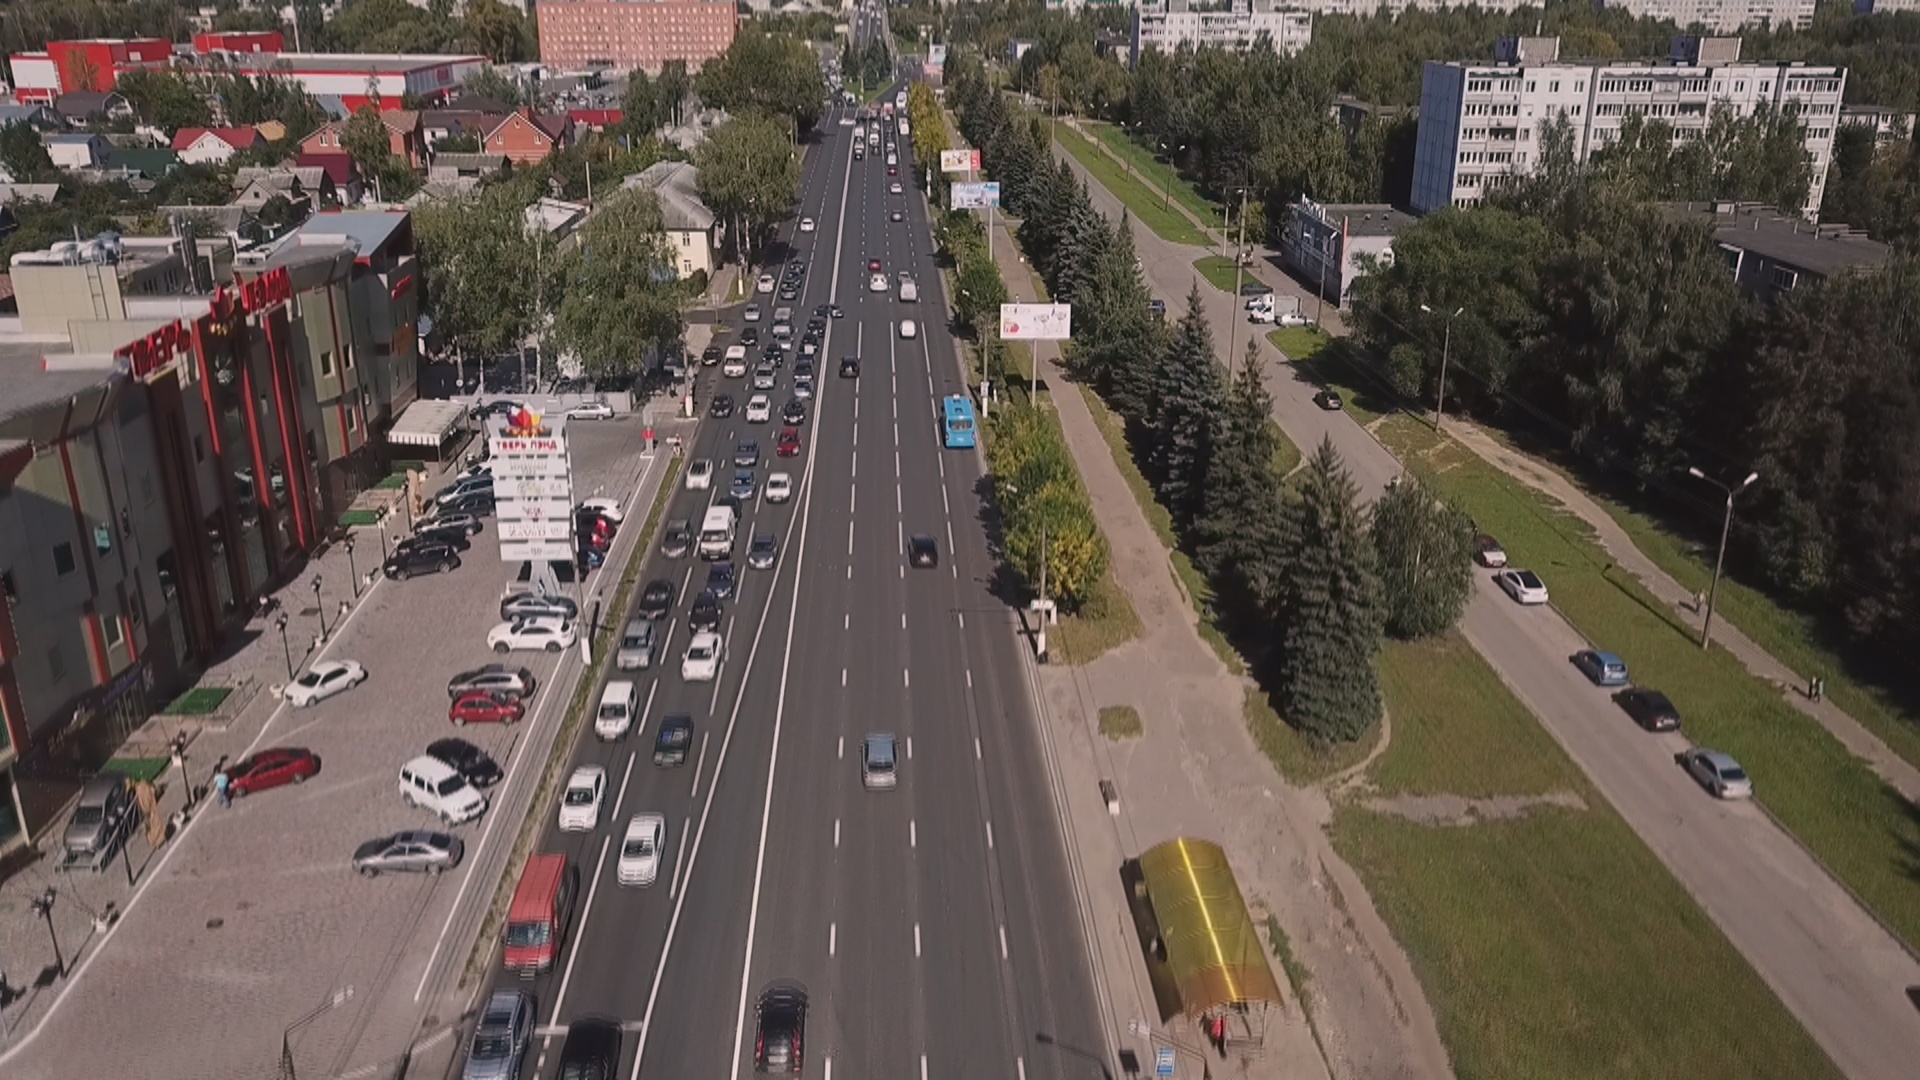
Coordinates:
637 646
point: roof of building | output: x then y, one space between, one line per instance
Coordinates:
279 177
479 103
332 106
480 123
554 127
152 162
676 185
26 382
1368 219
352 63
225 218
468 162
12 193
86 102
1213 952
1788 239
366 230
337 165
596 117
556 217
71 138
441 188
237 137
30 114
400 120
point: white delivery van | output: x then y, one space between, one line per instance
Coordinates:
618 702
909 292
716 533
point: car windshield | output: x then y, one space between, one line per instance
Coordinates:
638 846
700 652
310 679
489 1047
88 815
522 935
580 796
1732 773
448 786
674 736
612 712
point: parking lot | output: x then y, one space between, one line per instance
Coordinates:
254 915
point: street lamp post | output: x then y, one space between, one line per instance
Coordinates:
1239 269
1446 348
177 751
352 570
1726 526
1173 173
339 997
43 906
1320 296
281 622
319 608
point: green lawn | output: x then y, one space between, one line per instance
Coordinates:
1106 621
1552 946
1147 204
1297 757
199 701
1218 270
1299 343
1157 173
1366 400
1863 831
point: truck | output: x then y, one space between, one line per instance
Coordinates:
716 533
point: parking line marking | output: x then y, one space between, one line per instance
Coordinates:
680 853
624 777
593 889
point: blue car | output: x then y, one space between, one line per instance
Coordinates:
1604 668
743 485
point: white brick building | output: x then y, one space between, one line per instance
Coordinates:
1168 24
1720 16
1480 124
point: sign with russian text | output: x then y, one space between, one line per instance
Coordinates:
1036 322
959 161
153 355
977 196
533 491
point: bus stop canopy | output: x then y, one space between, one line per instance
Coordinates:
1212 947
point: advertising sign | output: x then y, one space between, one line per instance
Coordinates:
959 161
533 493
976 196
549 529
1036 322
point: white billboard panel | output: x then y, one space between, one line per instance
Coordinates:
976 196
536 551
533 492
1036 322
537 529
544 487
959 161
545 509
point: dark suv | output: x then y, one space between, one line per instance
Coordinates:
591 1052
670 744
421 558
780 1023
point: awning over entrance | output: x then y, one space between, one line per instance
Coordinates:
426 423
1211 945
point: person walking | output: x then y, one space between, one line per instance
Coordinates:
221 781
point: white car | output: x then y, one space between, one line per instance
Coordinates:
846 121
779 488
580 803
806 224
640 852
877 283
550 633
322 681
907 329
893 188
1524 586
699 474
765 285
752 314
1292 318
591 410
759 409
606 508
701 661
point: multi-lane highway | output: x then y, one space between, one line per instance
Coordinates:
934 925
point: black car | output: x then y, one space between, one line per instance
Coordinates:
471 762
750 336
497 678
811 337
496 407
823 310
780 1029
1329 401
1649 708
794 412
477 503
720 579
710 355
747 454
803 370
452 536
591 1052
705 614
671 743
849 367
816 325
923 551
721 406
421 558
678 539
655 600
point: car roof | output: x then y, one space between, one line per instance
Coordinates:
1720 761
1608 658
922 538
587 772
677 720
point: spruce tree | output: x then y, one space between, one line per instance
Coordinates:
1087 238
1241 538
1328 614
1426 553
1189 400
1114 332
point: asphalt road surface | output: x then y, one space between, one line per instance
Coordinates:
934 926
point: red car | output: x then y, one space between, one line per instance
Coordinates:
270 769
873 266
485 707
788 444
893 170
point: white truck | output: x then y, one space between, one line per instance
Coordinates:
716 533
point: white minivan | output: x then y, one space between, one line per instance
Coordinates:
431 784
716 533
618 704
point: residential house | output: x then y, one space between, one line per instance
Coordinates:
82 107
39 117
457 187
255 186
438 125
214 146
142 162
693 231
210 220
77 150
528 138
271 130
456 166
340 170
325 139
595 120
404 136
13 193
556 218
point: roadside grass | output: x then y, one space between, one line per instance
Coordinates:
1554 945
1286 456
1147 204
1863 831
1298 758
1299 343
1120 722
1154 172
1218 270
1328 364
1105 621
199 701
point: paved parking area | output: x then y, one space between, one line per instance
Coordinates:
251 918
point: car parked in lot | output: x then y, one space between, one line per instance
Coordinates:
641 848
499 678
471 762
473 504
677 540
436 787
423 557
656 599
524 605
1718 773
1602 668
270 769
779 487
417 851
580 802
590 410
101 821
546 633
1649 708
1488 552
701 661
1524 586
323 680
467 524
485 707
606 509
671 742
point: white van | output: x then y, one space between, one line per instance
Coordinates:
735 366
618 704
431 784
909 292
716 533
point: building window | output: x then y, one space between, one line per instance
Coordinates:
1784 279
326 364
8 590
111 630
199 450
56 664
353 420
63 559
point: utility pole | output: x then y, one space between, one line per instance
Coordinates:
1233 327
1726 526
1446 349
1040 642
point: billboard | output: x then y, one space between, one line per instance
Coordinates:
977 196
959 161
533 492
1036 322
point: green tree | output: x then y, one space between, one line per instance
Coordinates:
619 290
481 270
674 84
1240 538
387 26
977 295
366 139
749 175
641 108
1329 609
768 73
495 30
497 85
1188 400
165 99
24 155
1044 510
1117 336
1425 548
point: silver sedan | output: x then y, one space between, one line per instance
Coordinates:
417 852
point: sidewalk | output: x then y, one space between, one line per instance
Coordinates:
1196 772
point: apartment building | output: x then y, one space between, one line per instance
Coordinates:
1481 124
1720 16
1890 126
625 34
1169 24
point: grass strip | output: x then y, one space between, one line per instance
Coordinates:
1155 173
1298 758
1120 722
1219 272
1148 205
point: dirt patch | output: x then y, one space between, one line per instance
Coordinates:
1453 811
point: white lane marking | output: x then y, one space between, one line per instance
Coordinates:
593 889
1020 1065
916 939
923 1067
836 832
913 833
701 761
833 938
950 544
624 777
853 498
843 678
903 620
846 623
989 835
906 677
963 622
841 749
898 508
945 506
849 572
976 748
829 1070
673 887
1003 941
909 748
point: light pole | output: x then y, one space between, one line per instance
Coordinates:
353 572
1173 172
1726 526
43 906
281 622
318 607
1041 606
1446 348
177 751
1233 327
340 997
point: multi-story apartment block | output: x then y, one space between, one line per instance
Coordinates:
627 34
1235 24
1481 124
1890 126
1720 16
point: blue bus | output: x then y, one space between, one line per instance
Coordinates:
959 423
